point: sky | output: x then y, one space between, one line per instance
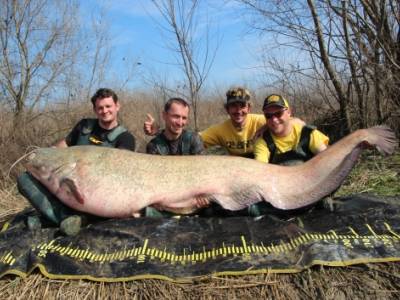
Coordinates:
137 36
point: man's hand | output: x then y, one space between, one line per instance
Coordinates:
259 133
323 147
202 201
136 215
298 121
197 202
60 144
149 126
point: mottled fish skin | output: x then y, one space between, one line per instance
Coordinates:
118 183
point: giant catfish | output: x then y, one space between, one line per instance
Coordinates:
118 183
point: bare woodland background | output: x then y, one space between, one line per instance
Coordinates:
347 77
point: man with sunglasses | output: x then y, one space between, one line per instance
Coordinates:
286 142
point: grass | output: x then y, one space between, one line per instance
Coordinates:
374 174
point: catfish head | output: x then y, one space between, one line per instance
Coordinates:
51 166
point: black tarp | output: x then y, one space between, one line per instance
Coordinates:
362 229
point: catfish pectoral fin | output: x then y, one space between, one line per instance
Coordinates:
69 186
240 197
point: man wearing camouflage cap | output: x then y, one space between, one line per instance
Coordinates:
235 134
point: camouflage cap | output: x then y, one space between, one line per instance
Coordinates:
237 94
275 100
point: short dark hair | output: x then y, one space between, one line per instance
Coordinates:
103 93
168 104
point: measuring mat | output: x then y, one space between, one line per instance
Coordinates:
361 229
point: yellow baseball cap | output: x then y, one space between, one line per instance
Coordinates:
275 100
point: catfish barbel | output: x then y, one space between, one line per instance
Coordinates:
118 183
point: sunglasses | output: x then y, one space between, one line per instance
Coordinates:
276 114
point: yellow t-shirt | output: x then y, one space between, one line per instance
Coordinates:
288 143
235 141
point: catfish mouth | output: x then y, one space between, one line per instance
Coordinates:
31 167
37 167
38 171
51 173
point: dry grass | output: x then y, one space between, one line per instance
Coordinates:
10 200
372 281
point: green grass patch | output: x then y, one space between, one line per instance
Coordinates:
374 174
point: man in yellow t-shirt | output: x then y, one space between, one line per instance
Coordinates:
286 142
236 134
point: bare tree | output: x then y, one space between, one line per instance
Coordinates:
35 40
195 56
353 49
99 53
330 69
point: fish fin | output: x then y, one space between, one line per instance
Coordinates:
383 138
73 189
227 202
239 199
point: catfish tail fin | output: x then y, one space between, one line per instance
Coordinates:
383 138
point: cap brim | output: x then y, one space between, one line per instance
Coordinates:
274 104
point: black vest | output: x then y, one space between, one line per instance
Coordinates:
162 144
301 153
86 138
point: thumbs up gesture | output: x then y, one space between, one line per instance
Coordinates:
149 126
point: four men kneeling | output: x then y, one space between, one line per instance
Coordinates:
272 137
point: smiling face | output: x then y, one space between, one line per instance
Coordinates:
175 120
106 110
278 120
238 112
